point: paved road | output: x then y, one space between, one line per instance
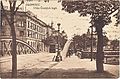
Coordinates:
28 64
41 66
74 67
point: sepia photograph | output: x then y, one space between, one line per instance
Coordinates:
60 39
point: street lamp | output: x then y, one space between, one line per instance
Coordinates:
91 48
58 57
74 44
91 42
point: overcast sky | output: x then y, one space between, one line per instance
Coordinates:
71 23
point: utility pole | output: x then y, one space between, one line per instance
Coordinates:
91 43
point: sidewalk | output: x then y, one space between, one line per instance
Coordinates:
74 67
28 64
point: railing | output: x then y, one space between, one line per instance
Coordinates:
87 54
110 56
22 47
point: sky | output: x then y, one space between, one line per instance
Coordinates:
71 23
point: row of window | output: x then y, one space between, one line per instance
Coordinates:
37 46
35 27
20 23
33 34
33 44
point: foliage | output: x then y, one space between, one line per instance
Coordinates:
105 40
49 40
83 41
115 44
100 10
53 40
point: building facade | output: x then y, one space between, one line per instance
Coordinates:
28 28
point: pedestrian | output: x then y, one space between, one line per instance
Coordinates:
53 58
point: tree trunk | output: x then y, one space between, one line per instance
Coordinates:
99 54
14 51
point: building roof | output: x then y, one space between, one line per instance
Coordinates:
32 16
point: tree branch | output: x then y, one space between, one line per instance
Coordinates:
113 11
18 7
5 13
14 5
10 4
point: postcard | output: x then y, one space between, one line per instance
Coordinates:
60 39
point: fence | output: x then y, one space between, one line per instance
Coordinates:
110 56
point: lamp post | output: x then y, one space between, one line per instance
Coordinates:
91 42
74 44
58 57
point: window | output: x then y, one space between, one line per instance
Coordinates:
21 33
37 28
29 33
34 27
31 44
37 36
43 31
34 35
40 36
28 42
28 24
31 25
22 23
19 23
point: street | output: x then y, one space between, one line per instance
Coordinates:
27 65
41 66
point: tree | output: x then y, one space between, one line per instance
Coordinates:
115 44
49 40
53 39
100 11
11 14
80 41
83 41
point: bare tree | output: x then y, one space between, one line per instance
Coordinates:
12 12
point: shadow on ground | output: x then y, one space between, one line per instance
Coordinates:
59 73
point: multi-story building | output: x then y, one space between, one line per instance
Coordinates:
28 28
